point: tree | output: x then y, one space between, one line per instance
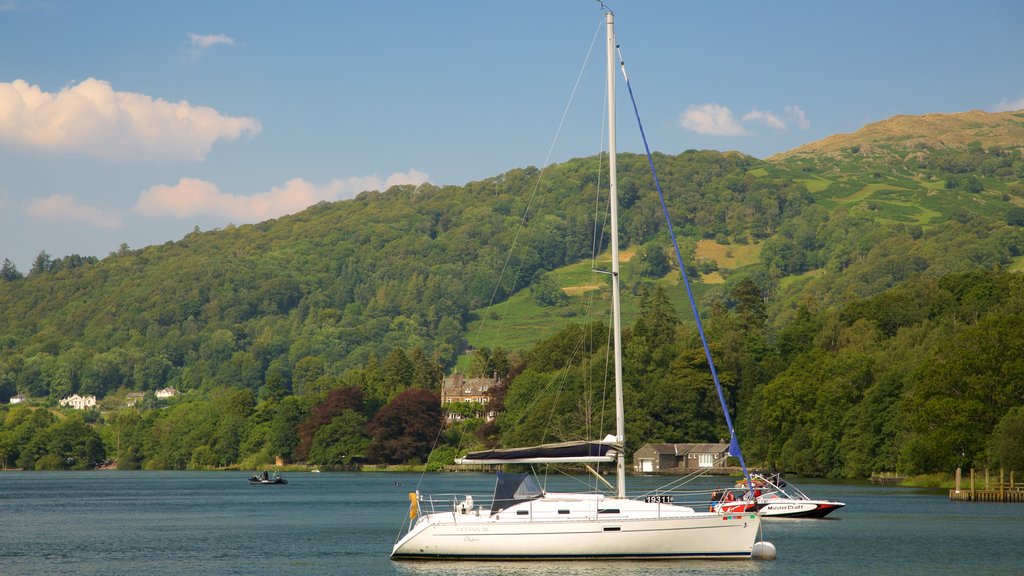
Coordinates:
340 441
1007 442
42 263
650 261
278 380
307 371
427 373
545 291
21 426
76 444
405 429
487 363
396 373
657 322
1015 216
284 434
749 302
334 403
122 438
8 271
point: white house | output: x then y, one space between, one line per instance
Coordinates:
165 393
18 399
79 402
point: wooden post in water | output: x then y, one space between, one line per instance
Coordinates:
1001 485
972 484
986 477
957 479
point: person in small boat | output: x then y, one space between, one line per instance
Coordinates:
266 475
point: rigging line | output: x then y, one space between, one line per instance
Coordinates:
529 204
596 242
536 188
734 441
688 478
553 384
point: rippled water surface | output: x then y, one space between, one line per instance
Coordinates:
157 523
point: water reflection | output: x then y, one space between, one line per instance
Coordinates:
582 568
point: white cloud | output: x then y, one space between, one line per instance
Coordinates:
207 40
192 197
91 118
711 119
766 118
413 177
64 208
717 120
1009 105
796 114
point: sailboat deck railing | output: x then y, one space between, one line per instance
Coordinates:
474 505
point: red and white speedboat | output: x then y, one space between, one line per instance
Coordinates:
774 498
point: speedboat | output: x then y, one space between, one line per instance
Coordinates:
775 498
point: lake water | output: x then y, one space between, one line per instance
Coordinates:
197 523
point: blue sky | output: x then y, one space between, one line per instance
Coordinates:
134 122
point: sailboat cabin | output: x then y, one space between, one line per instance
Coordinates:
675 458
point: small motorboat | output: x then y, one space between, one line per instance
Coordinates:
775 498
266 478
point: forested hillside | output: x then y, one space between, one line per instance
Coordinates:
860 299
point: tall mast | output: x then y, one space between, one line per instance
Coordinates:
620 417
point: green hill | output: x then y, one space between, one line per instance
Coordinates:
800 261
899 135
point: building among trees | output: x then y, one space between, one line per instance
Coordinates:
672 458
79 402
165 393
463 397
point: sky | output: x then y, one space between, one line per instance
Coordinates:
127 122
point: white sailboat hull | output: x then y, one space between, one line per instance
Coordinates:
638 530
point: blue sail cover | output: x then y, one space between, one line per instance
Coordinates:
584 451
511 489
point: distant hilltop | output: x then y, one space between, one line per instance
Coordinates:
929 131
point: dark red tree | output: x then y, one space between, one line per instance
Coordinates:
338 399
406 428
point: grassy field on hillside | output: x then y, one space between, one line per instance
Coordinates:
519 322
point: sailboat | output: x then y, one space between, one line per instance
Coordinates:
523 521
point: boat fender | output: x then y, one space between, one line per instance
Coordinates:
763 551
413 505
